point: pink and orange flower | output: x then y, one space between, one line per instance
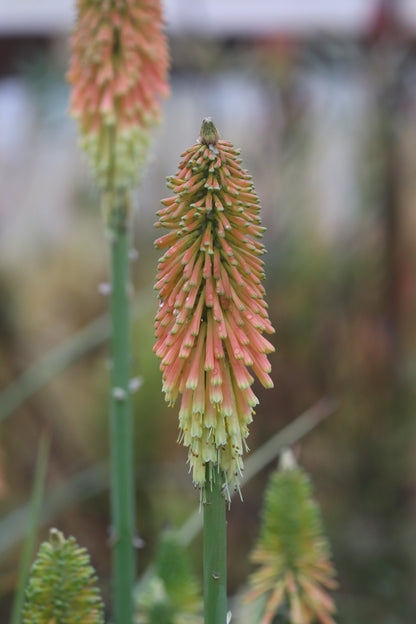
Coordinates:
118 71
212 313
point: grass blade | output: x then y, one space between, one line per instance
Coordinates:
32 527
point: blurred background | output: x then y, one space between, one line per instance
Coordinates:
321 98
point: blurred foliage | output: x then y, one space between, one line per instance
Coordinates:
170 594
28 550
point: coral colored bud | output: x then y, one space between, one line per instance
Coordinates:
212 311
118 72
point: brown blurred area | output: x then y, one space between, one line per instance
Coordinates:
326 120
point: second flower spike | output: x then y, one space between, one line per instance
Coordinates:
118 72
212 313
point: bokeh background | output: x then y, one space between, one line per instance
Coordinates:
321 98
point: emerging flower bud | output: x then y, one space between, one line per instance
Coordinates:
118 71
212 312
292 553
62 587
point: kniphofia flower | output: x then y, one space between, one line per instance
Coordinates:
212 313
118 71
292 553
62 586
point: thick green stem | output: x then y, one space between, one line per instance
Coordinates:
215 553
122 494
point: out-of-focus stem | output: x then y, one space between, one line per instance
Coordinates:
215 552
122 487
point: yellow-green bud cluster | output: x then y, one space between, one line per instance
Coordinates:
62 585
292 553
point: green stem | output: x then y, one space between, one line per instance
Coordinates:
122 495
215 552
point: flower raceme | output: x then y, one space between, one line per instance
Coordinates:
118 71
62 588
212 313
294 570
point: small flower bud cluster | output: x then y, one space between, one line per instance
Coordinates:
295 571
212 312
118 71
62 585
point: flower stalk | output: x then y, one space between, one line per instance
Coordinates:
122 490
215 552
118 72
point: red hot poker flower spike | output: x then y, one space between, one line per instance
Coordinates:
212 313
118 71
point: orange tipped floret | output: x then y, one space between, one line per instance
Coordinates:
118 72
212 312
